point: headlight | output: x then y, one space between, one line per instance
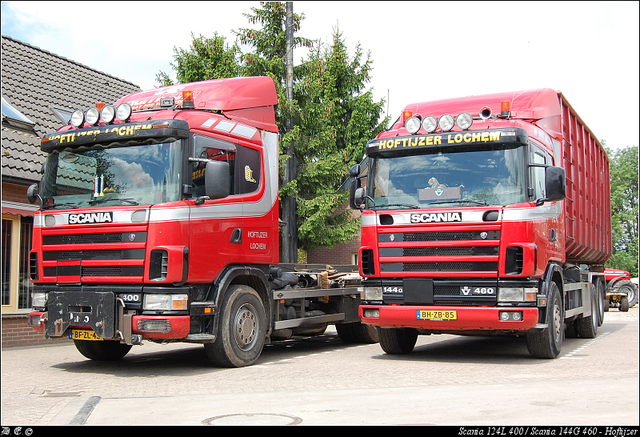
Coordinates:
371 293
517 294
92 116
77 118
38 300
412 125
108 113
165 302
446 122
124 111
464 120
429 123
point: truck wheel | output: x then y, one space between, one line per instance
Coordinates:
397 340
624 304
241 329
630 288
602 297
106 350
548 342
357 333
587 327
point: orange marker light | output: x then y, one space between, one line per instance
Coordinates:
406 115
505 107
187 99
100 105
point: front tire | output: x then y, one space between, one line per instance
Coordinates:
241 329
547 343
397 340
106 350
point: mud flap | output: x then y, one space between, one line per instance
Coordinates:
95 310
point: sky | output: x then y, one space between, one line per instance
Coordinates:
421 51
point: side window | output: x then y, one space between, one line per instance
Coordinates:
249 170
538 156
213 149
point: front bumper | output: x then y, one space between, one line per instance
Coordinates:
467 319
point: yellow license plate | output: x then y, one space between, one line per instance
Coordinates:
82 334
437 315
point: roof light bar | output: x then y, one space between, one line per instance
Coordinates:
123 112
412 125
92 116
464 120
108 113
446 122
77 118
430 124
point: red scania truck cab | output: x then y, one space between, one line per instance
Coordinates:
159 221
483 222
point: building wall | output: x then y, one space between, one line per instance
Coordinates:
341 254
16 332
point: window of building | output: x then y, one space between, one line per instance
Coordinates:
16 244
13 117
62 114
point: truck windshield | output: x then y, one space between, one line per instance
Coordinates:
448 176
96 175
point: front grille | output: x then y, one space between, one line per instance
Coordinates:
439 266
125 237
89 257
439 236
441 251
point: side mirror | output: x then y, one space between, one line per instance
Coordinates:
32 193
354 171
555 183
356 194
217 180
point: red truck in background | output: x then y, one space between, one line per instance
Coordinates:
159 221
479 222
621 291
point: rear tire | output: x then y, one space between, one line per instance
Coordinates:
241 329
624 304
397 340
587 327
602 297
357 333
107 350
631 290
547 343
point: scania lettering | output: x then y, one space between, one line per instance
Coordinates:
483 223
158 221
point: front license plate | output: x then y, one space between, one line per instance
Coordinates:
437 315
83 334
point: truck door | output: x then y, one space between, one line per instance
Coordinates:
215 224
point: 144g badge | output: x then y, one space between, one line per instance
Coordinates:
477 291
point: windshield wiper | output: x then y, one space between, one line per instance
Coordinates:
476 202
103 200
405 205
58 205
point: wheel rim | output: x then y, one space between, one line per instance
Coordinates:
245 326
557 322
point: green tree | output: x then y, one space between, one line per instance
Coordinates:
338 116
268 55
205 59
624 208
334 114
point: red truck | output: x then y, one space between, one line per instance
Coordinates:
159 221
484 215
